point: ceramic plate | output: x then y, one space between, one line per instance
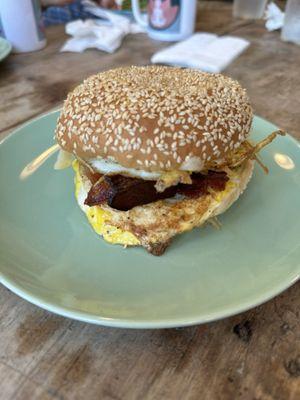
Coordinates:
5 48
50 256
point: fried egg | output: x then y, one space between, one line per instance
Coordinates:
158 222
109 167
98 217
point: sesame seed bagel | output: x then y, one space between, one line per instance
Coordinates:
155 118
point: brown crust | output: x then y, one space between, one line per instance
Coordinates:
158 249
157 223
155 118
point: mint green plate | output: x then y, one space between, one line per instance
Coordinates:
5 48
50 256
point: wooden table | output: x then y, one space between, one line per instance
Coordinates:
253 356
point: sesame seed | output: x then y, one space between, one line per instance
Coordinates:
163 108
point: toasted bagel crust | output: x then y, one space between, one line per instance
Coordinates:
155 118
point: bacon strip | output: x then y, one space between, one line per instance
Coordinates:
124 193
202 183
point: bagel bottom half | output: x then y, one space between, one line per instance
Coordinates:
154 225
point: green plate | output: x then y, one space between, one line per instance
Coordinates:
5 48
50 256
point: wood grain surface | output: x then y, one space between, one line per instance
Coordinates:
255 355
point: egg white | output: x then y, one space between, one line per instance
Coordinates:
109 167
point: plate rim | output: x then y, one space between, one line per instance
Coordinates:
6 51
147 323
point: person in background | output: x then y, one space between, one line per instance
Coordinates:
62 11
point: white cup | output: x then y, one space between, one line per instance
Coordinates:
249 9
167 20
291 29
21 23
